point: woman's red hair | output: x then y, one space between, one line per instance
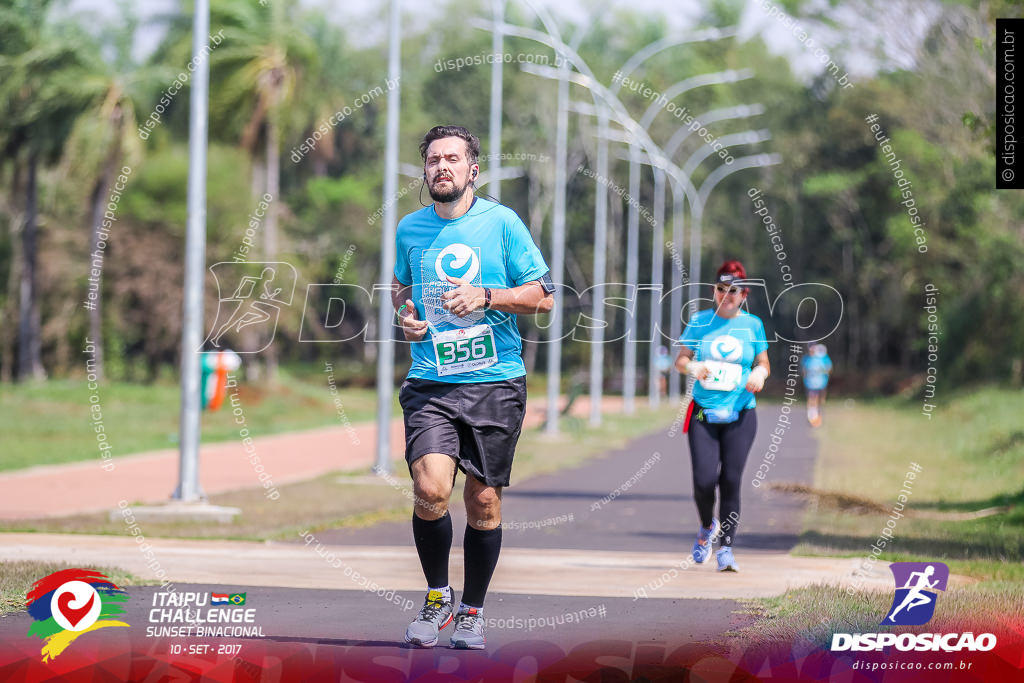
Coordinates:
733 268
736 269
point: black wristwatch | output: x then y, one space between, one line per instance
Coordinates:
487 298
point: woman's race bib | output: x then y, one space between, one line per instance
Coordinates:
464 350
722 376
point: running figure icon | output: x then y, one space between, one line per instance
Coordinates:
250 309
917 582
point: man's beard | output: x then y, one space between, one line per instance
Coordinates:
446 196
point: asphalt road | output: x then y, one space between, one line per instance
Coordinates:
638 498
652 508
335 635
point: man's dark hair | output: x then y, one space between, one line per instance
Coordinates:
438 132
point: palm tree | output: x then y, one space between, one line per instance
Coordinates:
339 70
43 88
257 71
105 138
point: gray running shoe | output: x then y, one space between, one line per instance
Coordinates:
434 616
469 631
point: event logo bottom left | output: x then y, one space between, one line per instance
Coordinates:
70 603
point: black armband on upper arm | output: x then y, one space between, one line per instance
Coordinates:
546 284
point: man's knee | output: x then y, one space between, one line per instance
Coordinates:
431 498
487 497
483 507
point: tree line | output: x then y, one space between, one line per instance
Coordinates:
94 163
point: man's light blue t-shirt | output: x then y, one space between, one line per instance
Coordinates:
733 340
489 246
816 369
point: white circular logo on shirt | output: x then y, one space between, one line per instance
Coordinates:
460 259
727 348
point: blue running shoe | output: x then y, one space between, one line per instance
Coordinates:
701 553
726 562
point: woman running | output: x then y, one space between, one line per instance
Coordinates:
720 346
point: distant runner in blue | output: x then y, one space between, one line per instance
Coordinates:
464 268
816 367
725 350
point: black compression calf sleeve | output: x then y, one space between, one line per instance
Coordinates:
433 544
481 549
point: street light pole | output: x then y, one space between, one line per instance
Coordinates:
713 116
632 268
657 278
676 297
558 249
188 490
634 132
497 39
600 220
715 177
651 49
600 269
385 312
747 137
611 104
673 91
688 84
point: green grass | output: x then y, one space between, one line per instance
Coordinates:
49 422
329 502
16 578
814 613
971 455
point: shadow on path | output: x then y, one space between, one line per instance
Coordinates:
637 498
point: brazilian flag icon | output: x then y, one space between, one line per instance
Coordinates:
237 598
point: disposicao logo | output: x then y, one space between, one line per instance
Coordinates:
69 603
914 605
916 583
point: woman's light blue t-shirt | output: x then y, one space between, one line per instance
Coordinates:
733 340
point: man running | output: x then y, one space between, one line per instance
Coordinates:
464 267
817 367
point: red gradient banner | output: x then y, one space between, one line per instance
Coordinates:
610 660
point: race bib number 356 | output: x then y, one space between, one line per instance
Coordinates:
464 350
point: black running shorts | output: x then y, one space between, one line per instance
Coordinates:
477 424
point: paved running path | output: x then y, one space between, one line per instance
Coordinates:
652 508
60 490
526 571
360 634
599 575
566 534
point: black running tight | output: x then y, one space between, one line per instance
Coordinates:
718 453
